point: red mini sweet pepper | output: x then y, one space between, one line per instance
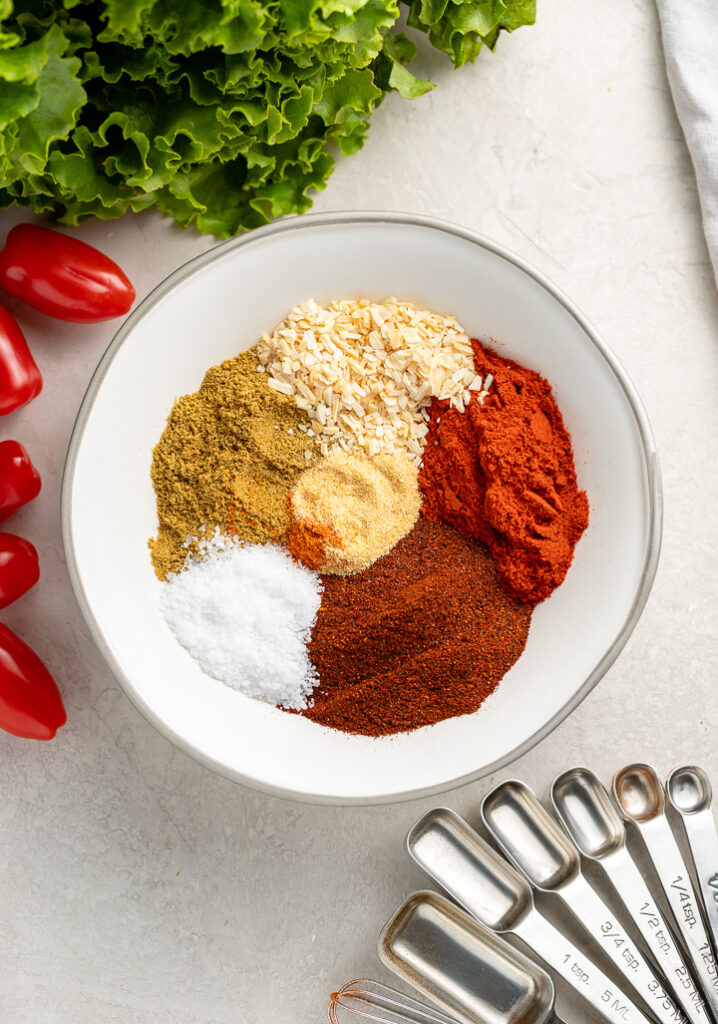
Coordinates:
19 567
19 480
20 379
30 702
62 276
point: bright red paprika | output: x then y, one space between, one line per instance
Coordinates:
62 276
19 480
20 379
30 702
19 567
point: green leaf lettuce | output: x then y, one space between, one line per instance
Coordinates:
221 113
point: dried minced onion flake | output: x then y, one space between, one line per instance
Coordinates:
366 372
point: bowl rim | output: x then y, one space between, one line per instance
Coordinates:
344 219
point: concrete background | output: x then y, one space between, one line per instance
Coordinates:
135 885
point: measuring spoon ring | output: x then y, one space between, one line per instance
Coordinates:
537 845
639 795
486 885
586 811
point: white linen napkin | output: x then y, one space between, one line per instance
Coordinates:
690 41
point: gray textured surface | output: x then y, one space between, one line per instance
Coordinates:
135 885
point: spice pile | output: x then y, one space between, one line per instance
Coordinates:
366 374
503 473
244 612
350 510
357 517
424 634
227 460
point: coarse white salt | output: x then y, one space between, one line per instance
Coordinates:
245 613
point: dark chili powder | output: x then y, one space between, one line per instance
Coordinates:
424 634
503 473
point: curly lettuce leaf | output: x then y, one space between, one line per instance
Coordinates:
220 113
41 101
392 72
461 27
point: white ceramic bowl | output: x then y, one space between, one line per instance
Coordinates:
219 304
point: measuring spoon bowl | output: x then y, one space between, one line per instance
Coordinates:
470 972
638 792
689 790
455 856
530 836
587 813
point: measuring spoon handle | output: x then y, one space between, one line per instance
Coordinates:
703 842
577 970
598 920
683 901
622 872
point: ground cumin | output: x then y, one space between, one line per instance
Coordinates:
228 458
424 634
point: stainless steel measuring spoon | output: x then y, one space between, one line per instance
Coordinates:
485 884
690 793
536 844
472 974
586 811
639 795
